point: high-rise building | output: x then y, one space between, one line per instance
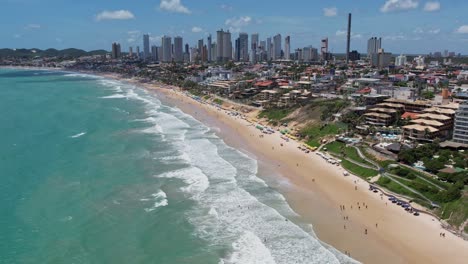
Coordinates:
154 53
116 52
146 47
287 48
166 44
219 45
460 132
400 60
138 52
178 49
227 47
237 49
268 49
373 45
243 47
381 59
254 41
324 49
208 46
130 52
200 46
309 54
354 55
277 47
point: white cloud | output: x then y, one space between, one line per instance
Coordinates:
431 6
462 30
434 31
174 6
32 26
418 30
17 36
197 29
115 15
340 33
227 7
343 33
397 5
330 11
59 40
235 24
394 37
131 40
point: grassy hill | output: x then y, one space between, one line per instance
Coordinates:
29 53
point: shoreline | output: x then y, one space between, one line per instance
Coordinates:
316 190
326 190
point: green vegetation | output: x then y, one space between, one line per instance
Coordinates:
362 172
395 187
218 101
314 133
276 114
455 212
331 107
345 151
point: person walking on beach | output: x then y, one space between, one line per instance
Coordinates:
365 232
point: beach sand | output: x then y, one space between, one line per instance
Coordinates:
315 189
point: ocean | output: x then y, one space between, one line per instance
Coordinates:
99 171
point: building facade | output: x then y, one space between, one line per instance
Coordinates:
460 133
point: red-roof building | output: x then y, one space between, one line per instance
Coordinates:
410 115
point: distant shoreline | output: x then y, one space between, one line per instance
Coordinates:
316 190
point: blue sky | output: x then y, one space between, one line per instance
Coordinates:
406 26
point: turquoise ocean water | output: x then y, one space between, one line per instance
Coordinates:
98 171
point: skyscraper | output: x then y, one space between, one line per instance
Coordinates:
324 49
130 51
287 48
268 49
400 60
200 48
154 53
227 46
146 47
237 49
178 49
166 44
209 48
244 46
373 45
277 47
116 50
219 45
254 41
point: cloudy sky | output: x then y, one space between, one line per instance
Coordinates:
406 26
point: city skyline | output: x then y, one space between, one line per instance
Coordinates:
406 26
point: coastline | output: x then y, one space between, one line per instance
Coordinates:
312 185
316 189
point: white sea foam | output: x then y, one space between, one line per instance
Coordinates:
250 249
82 75
114 96
159 199
78 135
222 181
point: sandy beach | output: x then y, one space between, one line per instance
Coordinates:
317 191
342 210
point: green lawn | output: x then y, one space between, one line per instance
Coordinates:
358 170
218 101
395 187
350 152
316 132
275 114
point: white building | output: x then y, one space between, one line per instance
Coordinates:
460 133
400 60
373 45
